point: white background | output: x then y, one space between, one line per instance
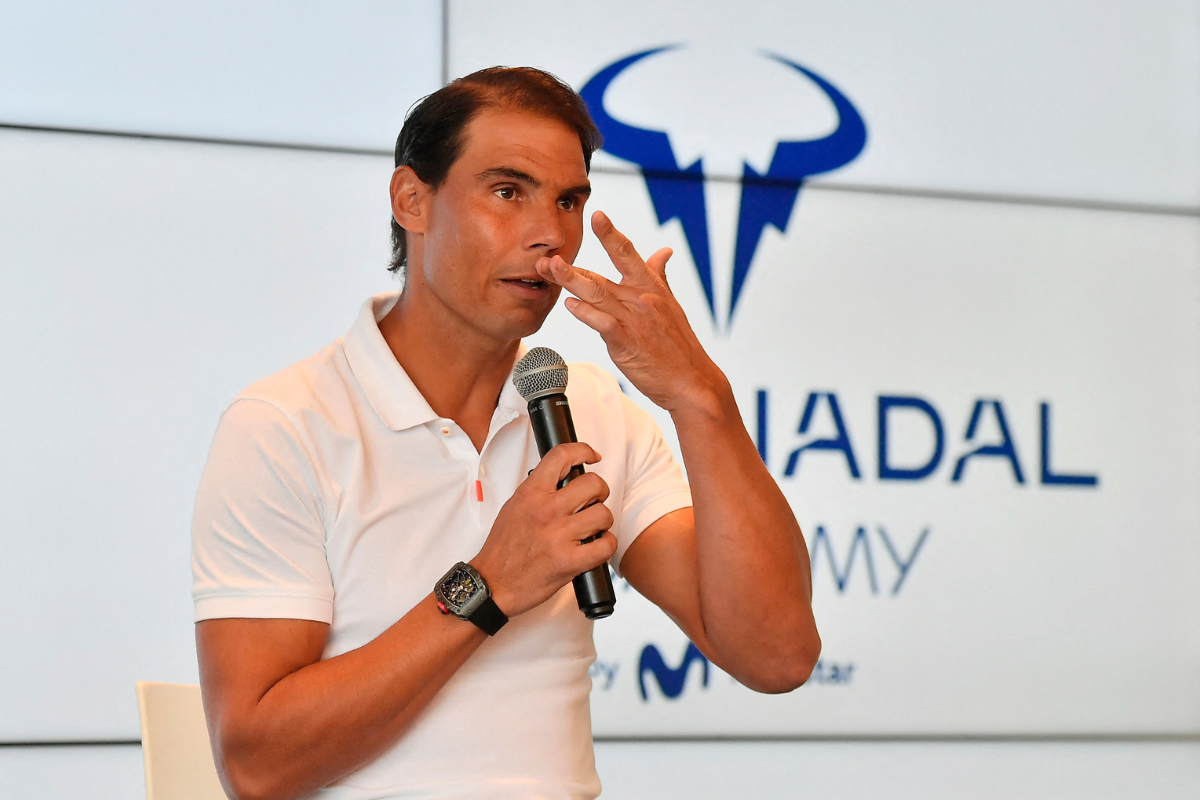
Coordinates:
145 282
328 74
1095 101
185 272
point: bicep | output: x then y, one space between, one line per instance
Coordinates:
242 659
661 563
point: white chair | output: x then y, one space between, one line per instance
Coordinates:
179 759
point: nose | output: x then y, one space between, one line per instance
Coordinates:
546 231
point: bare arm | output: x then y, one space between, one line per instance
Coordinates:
733 571
284 723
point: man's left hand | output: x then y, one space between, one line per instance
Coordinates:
646 331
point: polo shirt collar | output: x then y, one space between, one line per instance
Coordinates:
511 405
387 386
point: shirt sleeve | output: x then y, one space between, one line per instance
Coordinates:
258 540
654 482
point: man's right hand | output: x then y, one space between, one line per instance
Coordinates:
534 548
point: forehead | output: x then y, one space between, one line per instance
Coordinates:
543 146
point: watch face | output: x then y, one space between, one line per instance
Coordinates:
462 590
459 586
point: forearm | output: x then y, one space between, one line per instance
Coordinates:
326 719
748 595
753 569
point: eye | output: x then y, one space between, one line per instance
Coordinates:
567 203
506 193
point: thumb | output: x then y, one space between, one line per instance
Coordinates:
657 263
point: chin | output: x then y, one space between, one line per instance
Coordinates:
515 324
530 326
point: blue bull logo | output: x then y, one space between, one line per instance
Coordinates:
767 199
670 680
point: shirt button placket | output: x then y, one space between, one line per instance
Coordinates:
463 451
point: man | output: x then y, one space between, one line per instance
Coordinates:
339 490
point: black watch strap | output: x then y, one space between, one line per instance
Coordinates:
488 617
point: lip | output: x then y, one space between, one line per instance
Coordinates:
528 286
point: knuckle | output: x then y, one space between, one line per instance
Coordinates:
607 516
596 517
610 543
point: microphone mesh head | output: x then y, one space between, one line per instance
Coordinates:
542 371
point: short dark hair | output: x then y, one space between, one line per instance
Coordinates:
432 137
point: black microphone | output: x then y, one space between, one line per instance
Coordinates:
541 378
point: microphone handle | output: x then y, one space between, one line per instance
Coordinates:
552 426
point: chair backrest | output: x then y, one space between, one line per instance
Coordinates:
179 759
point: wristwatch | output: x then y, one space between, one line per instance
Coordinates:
464 593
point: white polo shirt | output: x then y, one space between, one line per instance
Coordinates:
334 493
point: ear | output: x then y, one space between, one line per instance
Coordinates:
410 196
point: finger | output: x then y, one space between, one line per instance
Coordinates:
578 528
555 465
587 522
592 554
582 283
657 263
620 250
591 316
584 490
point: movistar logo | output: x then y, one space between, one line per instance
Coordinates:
677 192
669 679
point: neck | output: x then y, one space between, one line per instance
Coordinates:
459 371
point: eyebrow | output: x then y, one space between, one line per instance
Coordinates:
584 189
509 172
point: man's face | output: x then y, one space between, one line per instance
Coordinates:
515 194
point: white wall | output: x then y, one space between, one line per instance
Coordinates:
1047 99
726 770
146 282
328 74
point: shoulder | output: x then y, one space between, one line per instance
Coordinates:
595 392
315 399
600 404
267 442
592 382
293 414
301 386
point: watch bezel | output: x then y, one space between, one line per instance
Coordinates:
468 607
